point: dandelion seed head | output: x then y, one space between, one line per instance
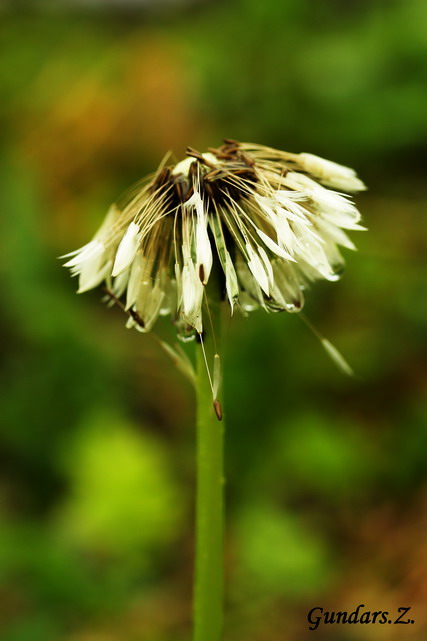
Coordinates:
268 222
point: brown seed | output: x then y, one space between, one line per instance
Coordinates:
218 409
202 273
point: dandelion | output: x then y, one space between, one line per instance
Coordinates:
268 221
243 223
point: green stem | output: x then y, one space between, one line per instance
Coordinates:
209 562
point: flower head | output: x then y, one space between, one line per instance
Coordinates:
267 221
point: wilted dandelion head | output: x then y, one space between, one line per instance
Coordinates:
267 222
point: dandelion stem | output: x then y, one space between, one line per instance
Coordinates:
209 561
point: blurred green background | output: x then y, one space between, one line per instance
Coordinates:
326 476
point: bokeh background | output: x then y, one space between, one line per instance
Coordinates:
326 476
